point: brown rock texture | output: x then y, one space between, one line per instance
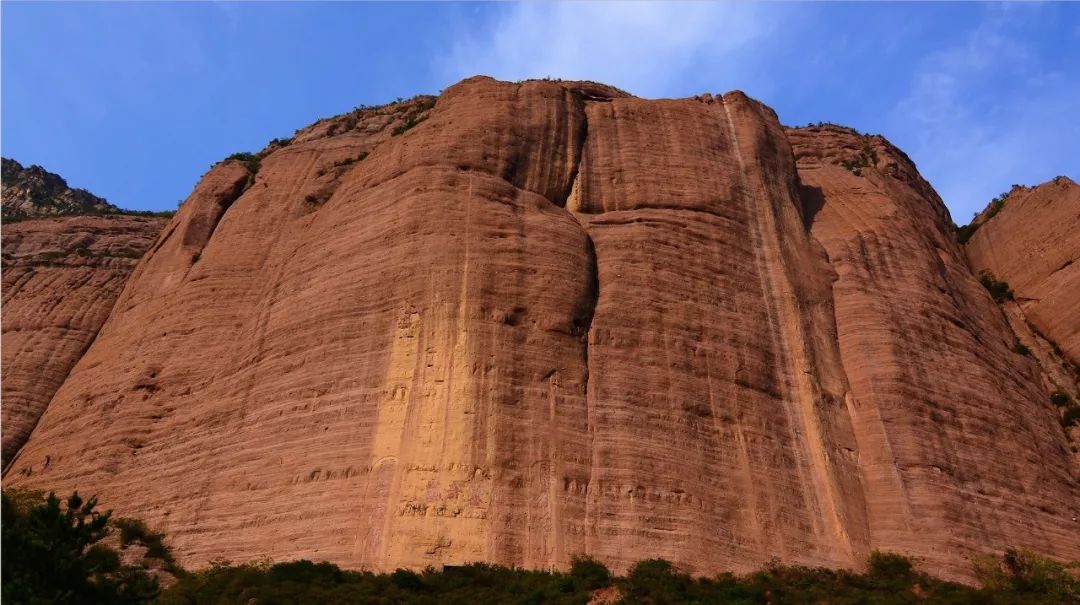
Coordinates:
1032 242
959 448
60 279
542 319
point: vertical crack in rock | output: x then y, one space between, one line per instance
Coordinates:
204 222
585 309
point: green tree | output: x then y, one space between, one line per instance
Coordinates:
52 555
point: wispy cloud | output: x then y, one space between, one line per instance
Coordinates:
646 48
990 111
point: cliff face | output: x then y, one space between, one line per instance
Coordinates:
60 279
1032 242
959 445
542 319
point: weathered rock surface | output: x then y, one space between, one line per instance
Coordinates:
1032 242
60 279
548 318
959 448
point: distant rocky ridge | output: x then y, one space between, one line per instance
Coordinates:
523 321
34 192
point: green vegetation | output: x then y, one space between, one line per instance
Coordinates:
1060 399
410 122
999 290
280 142
1021 349
195 258
134 531
359 157
1071 416
963 234
53 554
1019 577
251 159
152 213
60 559
867 157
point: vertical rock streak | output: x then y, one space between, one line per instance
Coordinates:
791 342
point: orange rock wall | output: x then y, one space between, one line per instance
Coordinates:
1033 244
554 319
959 447
60 279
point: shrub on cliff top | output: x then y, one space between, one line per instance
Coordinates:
250 159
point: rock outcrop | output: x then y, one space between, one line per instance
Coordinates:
1030 239
535 320
36 192
60 279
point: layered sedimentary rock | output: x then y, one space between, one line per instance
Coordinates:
60 279
1030 239
543 319
959 447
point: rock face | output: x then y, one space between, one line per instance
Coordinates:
60 279
543 319
1032 242
958 443
35 192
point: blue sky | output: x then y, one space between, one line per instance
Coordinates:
135 101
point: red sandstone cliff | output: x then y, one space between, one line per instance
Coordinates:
549 318
1032 242
60 279
959 445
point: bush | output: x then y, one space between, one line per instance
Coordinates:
1021 349
250 159
411 122
1022 572
1071 416
52 555
867 158
963 234
134 531
999 290
1060 398
588 573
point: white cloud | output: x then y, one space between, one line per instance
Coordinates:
988 112
643 47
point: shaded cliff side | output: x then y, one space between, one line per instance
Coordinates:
527 321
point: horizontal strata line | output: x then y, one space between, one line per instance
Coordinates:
616 216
